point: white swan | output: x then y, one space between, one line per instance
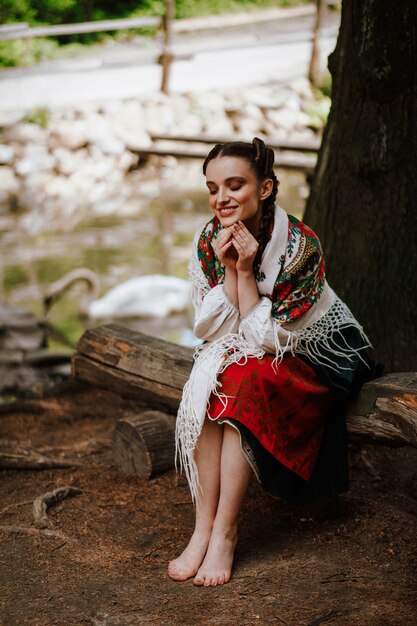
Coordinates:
154 295
144 296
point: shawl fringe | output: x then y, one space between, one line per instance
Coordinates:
210 360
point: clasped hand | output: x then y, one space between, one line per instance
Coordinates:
236 247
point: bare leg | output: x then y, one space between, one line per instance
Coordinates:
208 458
235 474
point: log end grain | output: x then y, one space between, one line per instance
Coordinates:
144 444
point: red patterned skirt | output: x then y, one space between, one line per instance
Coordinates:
285 408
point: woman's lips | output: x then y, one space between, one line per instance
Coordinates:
224 211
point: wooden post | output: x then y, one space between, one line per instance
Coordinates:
166 52
314 72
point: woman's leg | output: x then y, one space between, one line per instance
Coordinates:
235 475
208 458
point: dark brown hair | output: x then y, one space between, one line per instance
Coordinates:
261 160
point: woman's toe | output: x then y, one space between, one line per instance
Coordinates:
199 580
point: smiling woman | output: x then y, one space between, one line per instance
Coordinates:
281 356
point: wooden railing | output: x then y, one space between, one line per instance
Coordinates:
24 31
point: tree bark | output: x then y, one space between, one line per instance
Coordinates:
363 204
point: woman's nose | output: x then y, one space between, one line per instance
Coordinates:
222 196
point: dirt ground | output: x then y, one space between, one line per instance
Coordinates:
349 565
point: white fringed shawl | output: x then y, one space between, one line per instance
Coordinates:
310 334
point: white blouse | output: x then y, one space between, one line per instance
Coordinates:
216 316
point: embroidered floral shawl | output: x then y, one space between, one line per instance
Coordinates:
299 268
306 313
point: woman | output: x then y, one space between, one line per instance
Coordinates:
281 354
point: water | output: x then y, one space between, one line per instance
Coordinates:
157 240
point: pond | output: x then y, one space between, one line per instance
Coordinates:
156 240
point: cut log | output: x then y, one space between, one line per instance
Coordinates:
143 445
386 410
137 365
133 364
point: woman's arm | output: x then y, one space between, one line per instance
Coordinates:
216 311
217 315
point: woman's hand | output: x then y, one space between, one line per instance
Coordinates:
245 245
224 248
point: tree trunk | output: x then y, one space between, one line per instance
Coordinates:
363 203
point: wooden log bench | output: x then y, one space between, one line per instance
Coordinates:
154 371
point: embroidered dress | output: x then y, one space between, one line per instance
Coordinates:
281 373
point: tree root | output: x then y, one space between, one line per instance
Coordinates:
89 446
43 502
45 532
15 505
19 455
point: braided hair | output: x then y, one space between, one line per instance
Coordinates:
261 160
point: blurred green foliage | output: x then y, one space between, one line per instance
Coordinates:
48 12
40 116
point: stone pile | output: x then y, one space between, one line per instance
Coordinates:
80 165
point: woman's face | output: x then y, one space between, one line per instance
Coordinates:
235 192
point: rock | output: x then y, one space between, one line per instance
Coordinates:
66 161
25 133
36 159
249 128
9 186
128 116
133 139
69 135
283 118
7 154
110 145
293 103
268 99
303 88
303 120
220 127
127 161
95 169
10 118
159 119
8 180
59 187
190 125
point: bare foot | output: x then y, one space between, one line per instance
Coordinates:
216 568
187 564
